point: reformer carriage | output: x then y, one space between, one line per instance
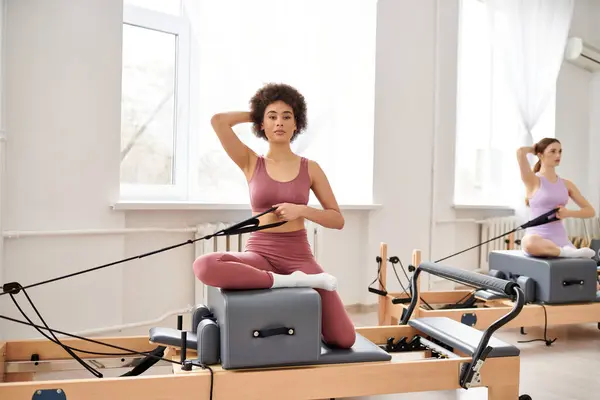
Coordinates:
558 291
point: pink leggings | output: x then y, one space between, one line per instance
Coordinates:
281 253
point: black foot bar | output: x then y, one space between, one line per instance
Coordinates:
512 290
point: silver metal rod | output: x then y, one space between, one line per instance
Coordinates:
71 365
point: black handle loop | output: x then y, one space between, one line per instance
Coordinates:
543 219
573 282
273 331
377 291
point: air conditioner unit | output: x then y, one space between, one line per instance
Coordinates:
582 54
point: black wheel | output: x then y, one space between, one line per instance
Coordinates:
524 397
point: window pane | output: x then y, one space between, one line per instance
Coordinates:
323 51
148 117
474 102
165 6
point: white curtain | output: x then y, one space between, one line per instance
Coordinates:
529 36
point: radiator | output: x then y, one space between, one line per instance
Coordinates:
491 228
579 227
233 243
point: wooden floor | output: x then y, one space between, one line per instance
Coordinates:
567 370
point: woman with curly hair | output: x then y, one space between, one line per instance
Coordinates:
280 256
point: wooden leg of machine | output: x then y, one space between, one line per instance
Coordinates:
2 360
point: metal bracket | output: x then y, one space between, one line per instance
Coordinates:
469 319
476 380
470 373
473 377
49 394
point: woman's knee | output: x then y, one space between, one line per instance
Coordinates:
346 338
206 267
530 244
339 331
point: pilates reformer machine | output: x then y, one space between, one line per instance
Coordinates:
266 344
557 291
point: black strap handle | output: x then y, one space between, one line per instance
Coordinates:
573 282
545 218
249 225
377 291
273 331
253 228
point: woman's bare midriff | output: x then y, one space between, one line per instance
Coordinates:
289 226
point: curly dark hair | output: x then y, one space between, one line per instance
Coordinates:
271 93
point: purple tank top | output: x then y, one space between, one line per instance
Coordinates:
548 196
265 192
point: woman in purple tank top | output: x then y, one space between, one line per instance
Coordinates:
547 191
280 256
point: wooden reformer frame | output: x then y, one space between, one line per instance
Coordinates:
484 312
435 364
500 375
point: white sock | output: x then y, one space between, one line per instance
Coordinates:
572 252
300 279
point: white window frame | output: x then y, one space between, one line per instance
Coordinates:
191 131
178 26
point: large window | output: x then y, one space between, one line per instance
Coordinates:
185 60
155 100
488 123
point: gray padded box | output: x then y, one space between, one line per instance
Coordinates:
558 280
246 316
362 351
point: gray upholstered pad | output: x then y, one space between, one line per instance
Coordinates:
172 337
598 295
461 336
246 319
362 351
558 280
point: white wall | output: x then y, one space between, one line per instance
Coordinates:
2 128
576 109
63 122
580 106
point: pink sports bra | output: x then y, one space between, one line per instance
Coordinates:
265 192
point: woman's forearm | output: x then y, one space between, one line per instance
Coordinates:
584 212
328 218
231 118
